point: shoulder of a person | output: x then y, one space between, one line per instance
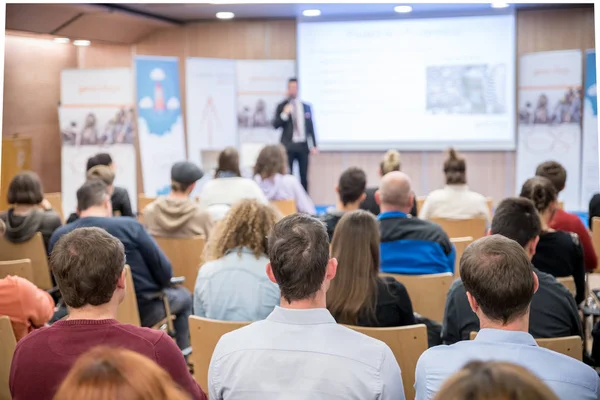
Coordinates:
237 339
119 192
51 216
549 283
151 336
33 339
391 284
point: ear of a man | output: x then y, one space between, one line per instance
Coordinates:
270 273
377 197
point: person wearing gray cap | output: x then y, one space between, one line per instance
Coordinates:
177 215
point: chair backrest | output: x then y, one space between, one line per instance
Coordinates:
185 255
490 204
7 349
20 268
455 228
427 292
286 207
55 199
569 283
460 244
407 344
571 346
143 201
128 312
561 205
34 250
204 335
420 201
596 235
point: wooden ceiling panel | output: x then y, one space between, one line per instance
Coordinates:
41 18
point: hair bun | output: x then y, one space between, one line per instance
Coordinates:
391 157
539 197
452 154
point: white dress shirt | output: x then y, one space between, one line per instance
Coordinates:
299 135
302 354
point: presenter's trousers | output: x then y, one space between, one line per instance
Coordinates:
300 152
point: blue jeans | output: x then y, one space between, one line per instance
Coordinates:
180 302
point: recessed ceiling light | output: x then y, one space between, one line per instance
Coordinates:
61 40
311 13
81 42
499 5
403 9
225 15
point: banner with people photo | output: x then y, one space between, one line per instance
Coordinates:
96 115
550 118
160 123
590 176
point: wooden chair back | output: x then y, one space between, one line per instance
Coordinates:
561 205
569 283
143 201
427 292
34 250
460 244
407 343
55 199
490 204
20 268
455 228
571 346
7 349
286 207
185 255
420 201
128 312
204 335
596 235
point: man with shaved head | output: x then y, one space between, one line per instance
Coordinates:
409 245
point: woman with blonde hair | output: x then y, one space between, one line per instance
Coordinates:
233 285
390 162
493 380
106 373
455 200
357 295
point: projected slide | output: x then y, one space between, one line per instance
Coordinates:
420 84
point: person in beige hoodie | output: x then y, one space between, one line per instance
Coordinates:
176 215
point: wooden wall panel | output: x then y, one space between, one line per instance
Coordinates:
105 56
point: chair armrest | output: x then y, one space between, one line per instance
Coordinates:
153 295
177 280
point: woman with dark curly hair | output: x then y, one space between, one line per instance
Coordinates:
233 285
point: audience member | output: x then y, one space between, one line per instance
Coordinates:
350 192
455 200
563 220
270 172
493 380
151 271
389 163
557 253
593 210
29 212
409 245
99 172
299 351
119 197
228 187
115 373
357 295
553 309
233 285
88 264
500 284
177 215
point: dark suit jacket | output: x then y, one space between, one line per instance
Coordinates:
288 126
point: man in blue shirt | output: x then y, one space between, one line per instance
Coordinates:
409 245
500 284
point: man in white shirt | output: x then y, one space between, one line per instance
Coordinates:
299 352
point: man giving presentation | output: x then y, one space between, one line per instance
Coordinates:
298 133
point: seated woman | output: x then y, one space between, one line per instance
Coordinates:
233 285
228 187
357 295
455 200
557 253
29 212
270 172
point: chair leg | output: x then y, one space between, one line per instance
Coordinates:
170 327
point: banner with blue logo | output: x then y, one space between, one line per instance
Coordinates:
160 123
590 175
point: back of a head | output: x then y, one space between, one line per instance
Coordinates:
516 218
92 193
555 172
105 373
540 191
271 160
87 263
351 185
355 245
390 162
229 161
183 175
455 169
497 272
99 159
395 190
103 173
299 254
25 188
493 380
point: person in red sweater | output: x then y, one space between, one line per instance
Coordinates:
564 221
88 264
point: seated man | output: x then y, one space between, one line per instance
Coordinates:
100 172
150 269
176 215
88 264
119 197
299 352
500 284
409 245
351 192
553 309
562 220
